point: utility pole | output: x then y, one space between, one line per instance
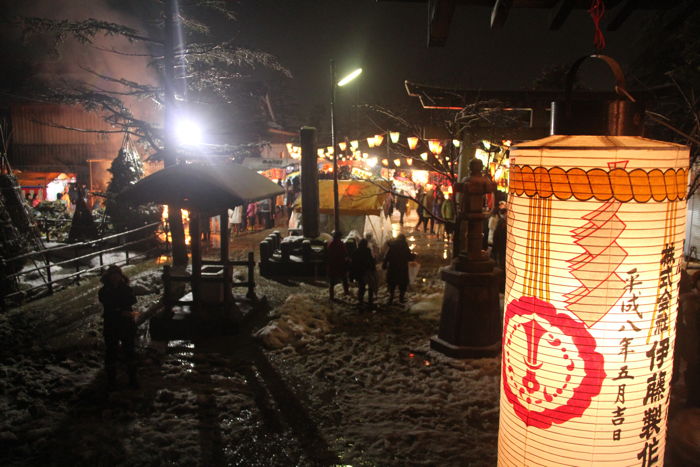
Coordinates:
336 202
174 216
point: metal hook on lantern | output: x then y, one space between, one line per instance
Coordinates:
620 83
622 116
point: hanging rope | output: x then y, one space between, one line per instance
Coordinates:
597 11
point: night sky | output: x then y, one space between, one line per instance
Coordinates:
389 40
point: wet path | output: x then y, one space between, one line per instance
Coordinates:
219 401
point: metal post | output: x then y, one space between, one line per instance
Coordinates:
336 203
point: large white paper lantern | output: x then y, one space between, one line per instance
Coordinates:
595 239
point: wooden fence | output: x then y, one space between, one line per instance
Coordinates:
82 252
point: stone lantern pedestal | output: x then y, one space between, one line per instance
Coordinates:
470 322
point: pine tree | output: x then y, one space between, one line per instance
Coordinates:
126 170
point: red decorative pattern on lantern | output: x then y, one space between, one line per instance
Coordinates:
556 345
595 268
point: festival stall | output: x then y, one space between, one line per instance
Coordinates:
360 208
46 185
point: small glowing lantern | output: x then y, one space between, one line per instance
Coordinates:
435 146
371 142
385 162
409 161
342 145
330 150
290 148
394 136
412 142
456 143
320 152
397 162
378 140
596 225
365 155
424 156
354 144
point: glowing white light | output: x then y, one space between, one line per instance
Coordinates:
188 132
350 77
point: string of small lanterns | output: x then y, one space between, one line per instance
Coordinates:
349 150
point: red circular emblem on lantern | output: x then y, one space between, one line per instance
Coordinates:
551 369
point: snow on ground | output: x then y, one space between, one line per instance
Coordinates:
300 319
382 397
339 384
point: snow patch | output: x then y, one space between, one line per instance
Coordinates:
301 318
427 306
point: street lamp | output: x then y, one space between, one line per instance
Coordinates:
342 82
188 132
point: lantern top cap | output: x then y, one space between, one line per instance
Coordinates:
597 142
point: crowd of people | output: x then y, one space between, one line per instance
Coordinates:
266 213
435 212
356 260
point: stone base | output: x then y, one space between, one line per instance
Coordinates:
470 321
462 351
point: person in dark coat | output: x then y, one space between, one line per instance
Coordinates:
117 298
422 218
364 271
396 264
401 202
337 261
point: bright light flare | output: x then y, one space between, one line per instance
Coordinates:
350 77
188 132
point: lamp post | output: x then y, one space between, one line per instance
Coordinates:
342 82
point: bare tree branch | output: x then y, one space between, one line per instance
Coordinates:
83 31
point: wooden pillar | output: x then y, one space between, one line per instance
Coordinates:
228 270
167 288
309 183
251 276
196 248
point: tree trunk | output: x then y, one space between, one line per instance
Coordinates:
174 216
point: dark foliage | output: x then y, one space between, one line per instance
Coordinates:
126 170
